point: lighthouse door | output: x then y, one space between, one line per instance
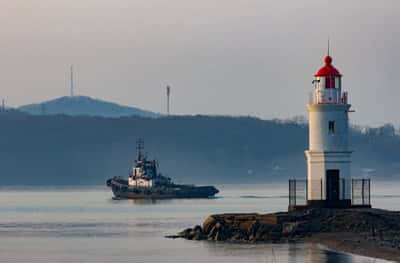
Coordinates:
332 185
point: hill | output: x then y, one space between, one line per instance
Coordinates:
82 105
60 149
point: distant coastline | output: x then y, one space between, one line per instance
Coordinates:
84 150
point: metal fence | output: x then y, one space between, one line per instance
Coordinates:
299 190
360 191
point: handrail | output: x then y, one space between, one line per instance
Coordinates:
330 96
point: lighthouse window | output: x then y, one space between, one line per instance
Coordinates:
331 127
330 82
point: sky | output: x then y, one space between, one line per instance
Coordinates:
226 57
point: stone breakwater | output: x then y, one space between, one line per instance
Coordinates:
347 229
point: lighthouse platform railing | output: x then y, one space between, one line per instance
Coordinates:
328 96
360 193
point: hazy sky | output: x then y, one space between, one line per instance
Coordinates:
236 57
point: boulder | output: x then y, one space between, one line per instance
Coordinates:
209 223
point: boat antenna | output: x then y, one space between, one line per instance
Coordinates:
139 148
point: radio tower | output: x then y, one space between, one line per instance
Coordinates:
168 96
72 81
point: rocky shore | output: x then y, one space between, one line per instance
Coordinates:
369 232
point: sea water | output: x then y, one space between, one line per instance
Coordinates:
70 224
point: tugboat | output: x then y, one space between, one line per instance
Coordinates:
144 182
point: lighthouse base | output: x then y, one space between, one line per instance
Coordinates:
360 196
339 204
346 203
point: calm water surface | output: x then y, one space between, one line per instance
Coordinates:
86 225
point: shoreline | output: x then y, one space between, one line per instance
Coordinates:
353 244
367 232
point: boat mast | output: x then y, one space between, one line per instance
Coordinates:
139 148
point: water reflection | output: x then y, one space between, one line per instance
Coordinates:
293 253
318 254
141 201
149 201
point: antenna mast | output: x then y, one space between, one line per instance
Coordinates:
140 147
168 98
72 81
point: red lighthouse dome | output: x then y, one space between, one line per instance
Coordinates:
328 69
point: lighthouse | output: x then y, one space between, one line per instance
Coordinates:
329 183
328 155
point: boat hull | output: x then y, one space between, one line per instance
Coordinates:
121 189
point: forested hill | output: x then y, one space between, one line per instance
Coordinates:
62 149
83 105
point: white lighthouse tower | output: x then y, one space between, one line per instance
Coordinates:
328 156
329 183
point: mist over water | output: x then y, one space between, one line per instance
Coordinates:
72 224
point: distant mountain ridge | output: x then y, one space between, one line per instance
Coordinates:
83 105
79 150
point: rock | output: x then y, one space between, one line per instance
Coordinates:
173 236
289 228
198 229
276 233
373 225
218 236
252 229
208 224
237 236
212 233
185 233
263 229
246 225
199 236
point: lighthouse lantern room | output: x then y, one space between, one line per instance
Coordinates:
329 182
